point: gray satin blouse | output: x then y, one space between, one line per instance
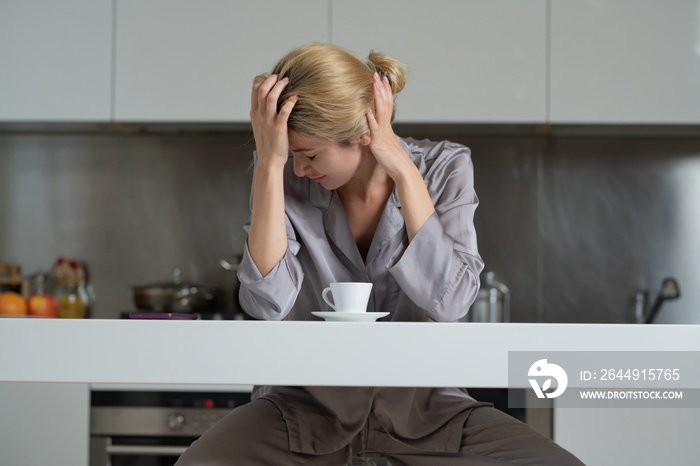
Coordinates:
435 277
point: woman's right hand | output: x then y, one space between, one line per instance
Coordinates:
270 127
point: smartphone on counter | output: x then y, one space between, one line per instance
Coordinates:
162 316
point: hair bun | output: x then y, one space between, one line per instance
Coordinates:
393 69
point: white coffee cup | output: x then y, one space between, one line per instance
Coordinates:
348 296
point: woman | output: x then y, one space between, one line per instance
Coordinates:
357 203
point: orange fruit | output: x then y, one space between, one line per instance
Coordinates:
12 303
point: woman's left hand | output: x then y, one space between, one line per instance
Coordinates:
416 204
384 145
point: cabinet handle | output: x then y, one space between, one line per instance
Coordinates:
145 450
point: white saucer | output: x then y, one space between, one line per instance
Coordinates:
350 316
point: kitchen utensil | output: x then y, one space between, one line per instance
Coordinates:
669 291
231 264
176 296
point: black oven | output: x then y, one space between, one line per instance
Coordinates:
152 428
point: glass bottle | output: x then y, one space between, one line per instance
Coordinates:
70 289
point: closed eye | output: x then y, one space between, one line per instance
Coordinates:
304 152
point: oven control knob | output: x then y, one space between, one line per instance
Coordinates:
176 421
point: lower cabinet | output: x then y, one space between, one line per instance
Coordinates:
44 424
628 435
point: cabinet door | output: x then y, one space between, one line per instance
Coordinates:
617 436
473 61
55 60
179 60
44 424
625 61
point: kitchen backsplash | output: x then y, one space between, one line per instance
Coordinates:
573 225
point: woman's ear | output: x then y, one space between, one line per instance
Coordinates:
365 139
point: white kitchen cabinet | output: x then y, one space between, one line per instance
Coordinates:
626 436
178 60
473 61
44 424
55 60
625 61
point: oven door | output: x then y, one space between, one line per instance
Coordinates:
146 436
104 452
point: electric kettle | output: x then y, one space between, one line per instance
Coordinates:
492 302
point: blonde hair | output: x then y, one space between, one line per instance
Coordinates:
334 89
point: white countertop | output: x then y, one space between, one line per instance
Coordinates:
302 353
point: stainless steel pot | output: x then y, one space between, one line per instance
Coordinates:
176 296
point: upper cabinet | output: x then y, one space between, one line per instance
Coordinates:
625 61
55 60
469 61
186 61
473 61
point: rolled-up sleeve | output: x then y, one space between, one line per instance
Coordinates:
271 297
439 269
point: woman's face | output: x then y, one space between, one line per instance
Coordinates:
323 161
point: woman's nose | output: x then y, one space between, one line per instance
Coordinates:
301 166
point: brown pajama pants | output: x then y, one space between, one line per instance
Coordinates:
255 434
